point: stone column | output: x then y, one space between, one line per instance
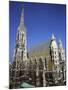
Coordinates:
64 75
44 71
37 75
44 81
64 72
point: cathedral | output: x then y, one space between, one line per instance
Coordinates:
37 72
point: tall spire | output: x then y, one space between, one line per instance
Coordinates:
22 17
21 25
60 43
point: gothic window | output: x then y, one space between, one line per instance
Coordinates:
17 45
13 73
40 64
55 67
52 57
51 52
45 62
18 36
24 48
21 72
52 47
22 45
22 53
55 57
56 62
62 53
55 52
34 64
17 73
50 75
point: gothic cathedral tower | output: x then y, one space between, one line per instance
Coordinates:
21 50
20 55
61 51
54 58
62 61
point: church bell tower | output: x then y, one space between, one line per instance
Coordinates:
20 55
21 50
54 58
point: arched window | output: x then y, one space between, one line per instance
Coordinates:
22 54
45 63
40 63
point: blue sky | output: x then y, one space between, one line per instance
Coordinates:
41 20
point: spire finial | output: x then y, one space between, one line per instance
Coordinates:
60 43
53 37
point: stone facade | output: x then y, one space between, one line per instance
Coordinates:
42 71
58 59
